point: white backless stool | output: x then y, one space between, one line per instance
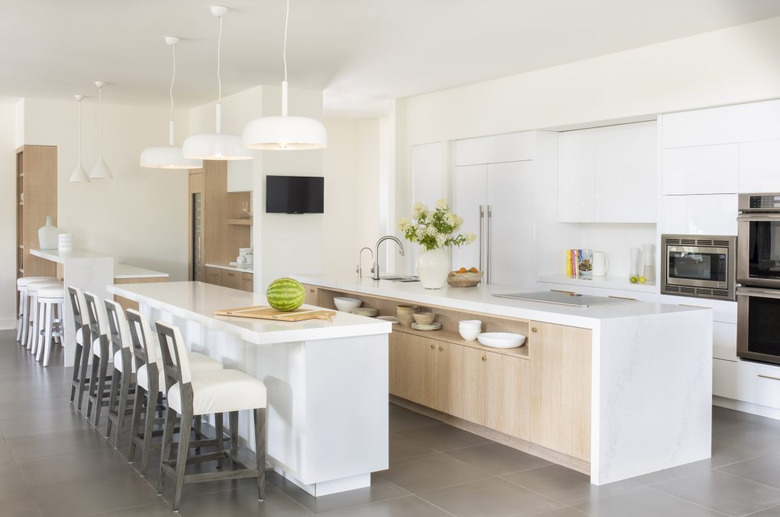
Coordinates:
151 383
215 392
50 300
123 377
83 344
101 356
24 303
33 316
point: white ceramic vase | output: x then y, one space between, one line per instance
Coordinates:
48 235
433 266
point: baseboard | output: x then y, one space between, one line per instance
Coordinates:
746 407
7 323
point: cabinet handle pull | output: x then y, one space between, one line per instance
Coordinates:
533 329
433 347
441 348
484 358
769 377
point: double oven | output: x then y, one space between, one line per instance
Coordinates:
758 276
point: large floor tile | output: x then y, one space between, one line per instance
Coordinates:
564 485
644 502
763 469
241 503
769 512
409 506
494 497
43 423
727 494
402 419
21 508
82 467
71 441
431 472
401 448
13 487
160 509
497 458
442 437
562 512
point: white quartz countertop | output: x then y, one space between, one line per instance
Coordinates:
481 299
126 271
240 269
198 301
603 282
59 256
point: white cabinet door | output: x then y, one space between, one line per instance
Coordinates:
469 193
708 169
713 214
510 188
724 341
759 166
626 172
510 147
576 173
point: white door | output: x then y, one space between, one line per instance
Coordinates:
469 196
510 198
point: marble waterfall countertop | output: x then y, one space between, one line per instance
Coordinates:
481 299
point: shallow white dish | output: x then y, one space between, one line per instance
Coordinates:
345 304
433 326
391 319
501 339
368 312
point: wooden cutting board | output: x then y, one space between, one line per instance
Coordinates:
263 312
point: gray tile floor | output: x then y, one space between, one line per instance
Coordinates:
53 462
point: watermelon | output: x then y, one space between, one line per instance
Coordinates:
285 294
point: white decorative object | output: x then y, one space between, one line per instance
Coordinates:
285 132
433 266
47 235
649 262
65 242
635 259
100 170
600 263
217 145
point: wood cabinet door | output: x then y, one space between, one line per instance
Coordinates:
407 366
248 282
507 394
312 293
213 275
232 279
465 381
560 388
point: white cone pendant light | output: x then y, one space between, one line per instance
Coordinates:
219 145
100 170
170 156
285 133
79 175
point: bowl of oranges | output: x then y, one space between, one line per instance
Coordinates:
464 277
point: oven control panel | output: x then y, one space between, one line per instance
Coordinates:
759 202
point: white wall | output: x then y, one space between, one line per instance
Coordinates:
140 216
7 213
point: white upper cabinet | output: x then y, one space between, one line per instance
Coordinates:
608 174
714 214
759 166
724 125
708 169
511 147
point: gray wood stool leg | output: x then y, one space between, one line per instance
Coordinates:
113 396
220 428
170 419
260 415
135 421
184 447
233 421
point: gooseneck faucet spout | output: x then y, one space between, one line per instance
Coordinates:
375 268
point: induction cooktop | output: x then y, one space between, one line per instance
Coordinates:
564 298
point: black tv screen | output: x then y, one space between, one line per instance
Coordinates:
294 194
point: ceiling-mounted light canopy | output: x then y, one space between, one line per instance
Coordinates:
285 133
170 156
219 145
79 175
100 170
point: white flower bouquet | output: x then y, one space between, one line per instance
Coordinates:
434 229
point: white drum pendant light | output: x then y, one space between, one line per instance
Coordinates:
100 170
285 133
79 175
219 145
169 156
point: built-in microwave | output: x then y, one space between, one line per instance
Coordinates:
702 266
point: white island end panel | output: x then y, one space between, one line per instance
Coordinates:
652 394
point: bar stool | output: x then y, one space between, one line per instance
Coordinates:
124 368
150 383
83 343
33 318
214 392
50 301
99 331
23 318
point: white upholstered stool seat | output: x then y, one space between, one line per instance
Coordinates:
50 303
31 332
220 391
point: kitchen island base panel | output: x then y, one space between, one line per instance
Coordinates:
313 436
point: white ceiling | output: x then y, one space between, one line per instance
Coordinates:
360 52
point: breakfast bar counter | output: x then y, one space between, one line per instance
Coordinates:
326 379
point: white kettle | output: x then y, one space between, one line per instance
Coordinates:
600 263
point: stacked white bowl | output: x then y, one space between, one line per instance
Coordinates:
469 329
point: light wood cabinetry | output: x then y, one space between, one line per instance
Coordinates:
36 198
228 278
535 398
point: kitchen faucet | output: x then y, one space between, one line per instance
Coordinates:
359 269
375 268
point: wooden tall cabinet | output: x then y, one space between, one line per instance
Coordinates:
36 198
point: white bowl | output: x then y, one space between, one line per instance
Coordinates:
368 312
469 334
501 339
470 323
345 304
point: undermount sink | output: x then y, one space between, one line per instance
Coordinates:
401 278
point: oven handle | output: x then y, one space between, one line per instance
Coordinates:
758 217
763 293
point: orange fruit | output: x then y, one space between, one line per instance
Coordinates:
462 270
474 270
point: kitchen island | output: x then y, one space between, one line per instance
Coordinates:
615 390
326 380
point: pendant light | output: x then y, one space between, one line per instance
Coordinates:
79 175
169 156
219 145
285 133
100 170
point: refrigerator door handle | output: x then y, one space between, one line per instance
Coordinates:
481 224
489 243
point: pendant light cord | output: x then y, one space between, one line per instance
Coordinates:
219 53
284 50
173 78
79 104
100 101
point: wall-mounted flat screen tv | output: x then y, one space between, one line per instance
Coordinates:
294 194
